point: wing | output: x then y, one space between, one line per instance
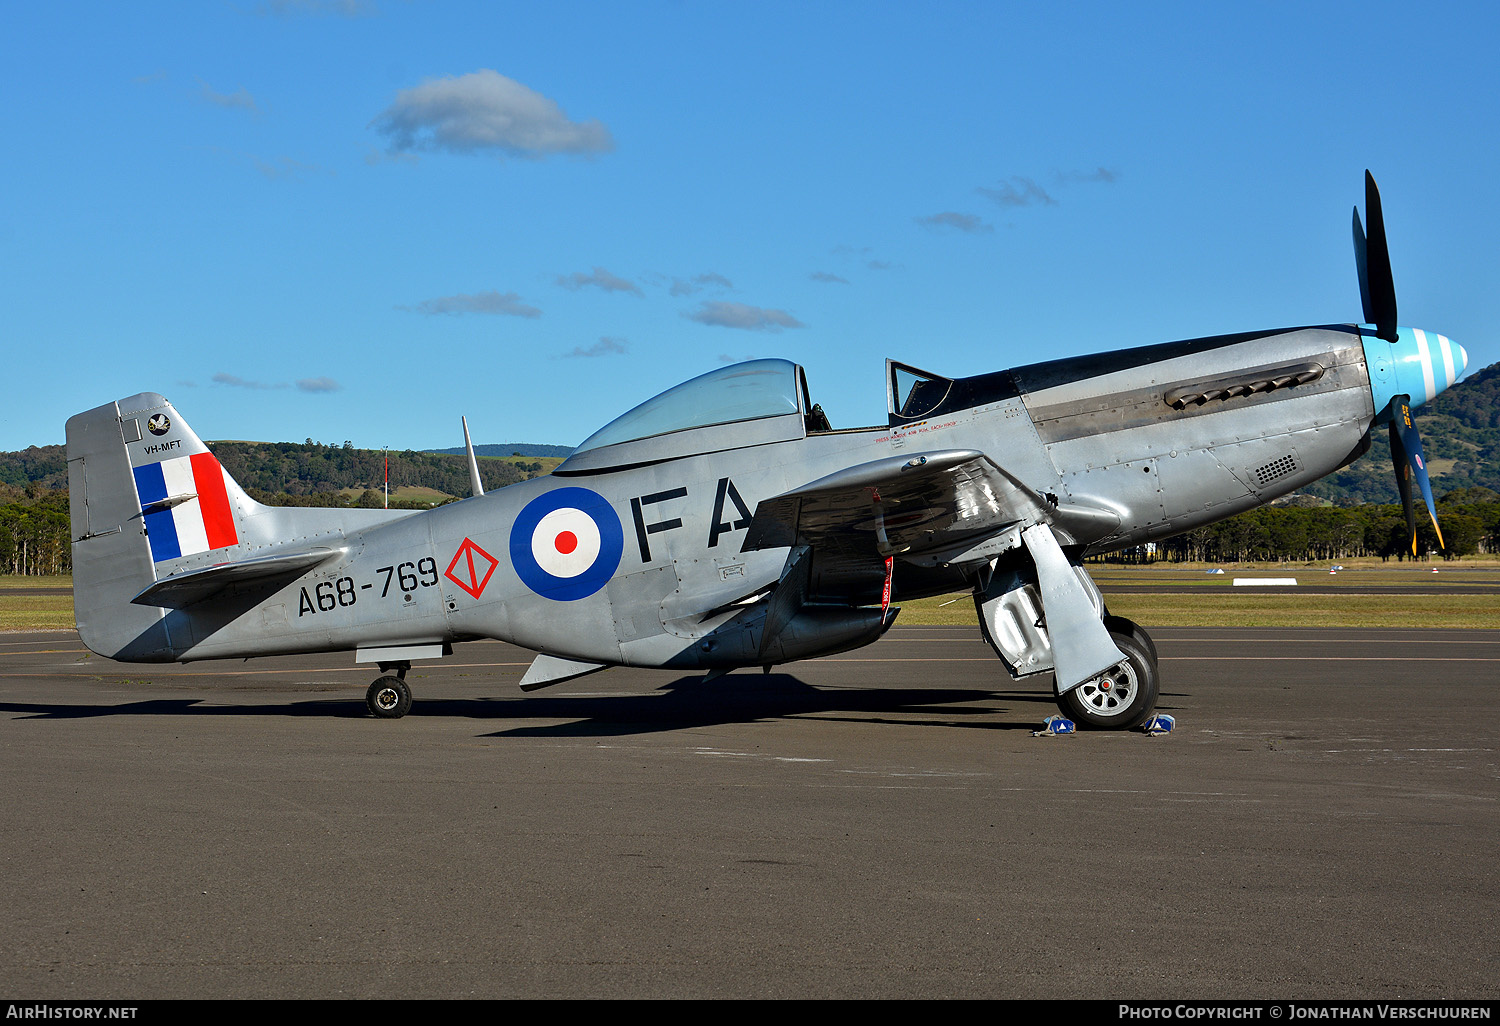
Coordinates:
944 507
952 507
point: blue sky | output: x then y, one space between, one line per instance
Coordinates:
358 220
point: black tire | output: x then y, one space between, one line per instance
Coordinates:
1131 629
1120 698
388 698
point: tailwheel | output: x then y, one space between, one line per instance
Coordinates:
1122 696
389 698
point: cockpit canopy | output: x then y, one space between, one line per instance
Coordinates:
743 404
915 395
745 391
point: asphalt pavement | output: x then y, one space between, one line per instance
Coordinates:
1321 824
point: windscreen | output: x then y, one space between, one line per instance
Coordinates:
744 391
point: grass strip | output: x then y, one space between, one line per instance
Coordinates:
1251 609
1170 607
36 612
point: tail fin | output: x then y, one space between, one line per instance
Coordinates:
147 499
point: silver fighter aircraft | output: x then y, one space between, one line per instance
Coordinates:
725 523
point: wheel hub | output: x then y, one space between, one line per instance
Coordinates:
1110 693
387 698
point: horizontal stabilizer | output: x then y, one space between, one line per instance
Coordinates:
169 502
190 586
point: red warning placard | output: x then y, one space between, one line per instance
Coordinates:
471 568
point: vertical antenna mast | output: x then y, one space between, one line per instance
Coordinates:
475 486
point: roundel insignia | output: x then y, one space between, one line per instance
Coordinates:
159 424
566 544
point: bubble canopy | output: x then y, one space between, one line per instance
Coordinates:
729 395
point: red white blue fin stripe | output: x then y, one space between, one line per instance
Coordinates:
198 524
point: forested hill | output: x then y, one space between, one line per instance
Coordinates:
296 469
305 469
1460 432
34 534
511 449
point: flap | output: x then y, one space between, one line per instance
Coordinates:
899 505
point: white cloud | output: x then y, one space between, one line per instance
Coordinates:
318 385
240 98
599 279
1019 192
699 282
739 315
485 111
1103 175
346 8
606 346
235 381
952 219
490 302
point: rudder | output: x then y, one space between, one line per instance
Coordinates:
146 498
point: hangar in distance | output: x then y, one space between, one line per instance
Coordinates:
727 524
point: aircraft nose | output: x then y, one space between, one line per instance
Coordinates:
1419 364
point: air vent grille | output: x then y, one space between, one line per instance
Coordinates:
1276 469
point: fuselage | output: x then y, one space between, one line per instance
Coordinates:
1147 442
633 551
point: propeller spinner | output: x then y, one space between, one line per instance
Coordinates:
1408 366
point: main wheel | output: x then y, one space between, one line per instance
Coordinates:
1120 625
389 698
1122 696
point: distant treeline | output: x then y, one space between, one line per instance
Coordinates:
34 527
298 468
303 469
34 538
34 501
1470 519
511 449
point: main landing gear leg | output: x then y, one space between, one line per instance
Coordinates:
389 698
1124 695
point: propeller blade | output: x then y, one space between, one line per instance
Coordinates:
1361 263
1406 454
1377 287
1403 480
